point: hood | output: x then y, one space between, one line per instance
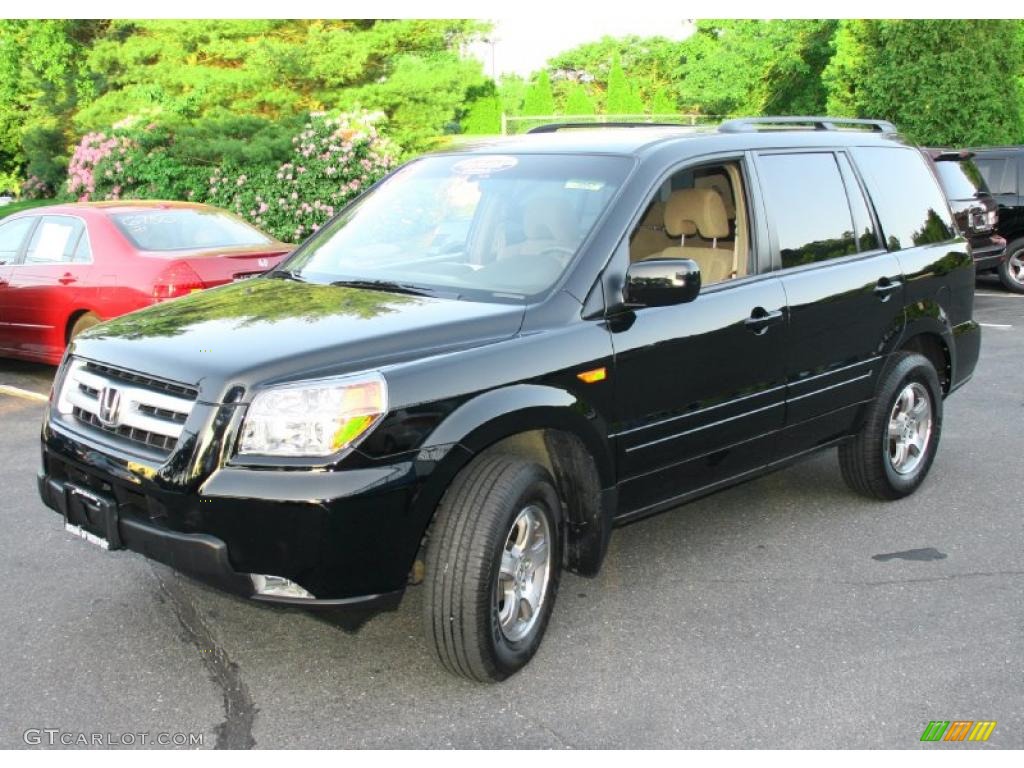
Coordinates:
266 330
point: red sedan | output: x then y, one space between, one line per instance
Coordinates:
64 268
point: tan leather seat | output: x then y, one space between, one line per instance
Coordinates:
650 237
700 212
549 224
720 184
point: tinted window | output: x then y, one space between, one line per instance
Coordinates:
961 179
910 205
807 207
54 240
1000 174
867 237
12 234
184 229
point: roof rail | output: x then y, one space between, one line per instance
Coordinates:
556 127
750 124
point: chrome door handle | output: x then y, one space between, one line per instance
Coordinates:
760 319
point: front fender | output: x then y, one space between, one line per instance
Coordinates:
500 413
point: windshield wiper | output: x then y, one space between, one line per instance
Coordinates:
384 285
287 274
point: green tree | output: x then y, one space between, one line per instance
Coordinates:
653 63
663 103
578 101
539 99
178 72
743 66
622 98
484 115
942 82
42 81
512 93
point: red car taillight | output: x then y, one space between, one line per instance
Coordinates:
177 280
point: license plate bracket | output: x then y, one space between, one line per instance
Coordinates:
92 517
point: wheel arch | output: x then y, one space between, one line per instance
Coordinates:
934 347
73 318
545 424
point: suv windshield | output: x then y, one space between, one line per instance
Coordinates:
961 179
179 229
488 227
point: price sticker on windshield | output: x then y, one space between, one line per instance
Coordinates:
484 165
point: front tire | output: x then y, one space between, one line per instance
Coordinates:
891 455
493 567
1011 271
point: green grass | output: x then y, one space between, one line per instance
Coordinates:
21 205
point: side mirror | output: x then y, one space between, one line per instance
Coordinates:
661 282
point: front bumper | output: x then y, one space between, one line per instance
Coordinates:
348 537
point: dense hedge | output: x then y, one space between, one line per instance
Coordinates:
332 159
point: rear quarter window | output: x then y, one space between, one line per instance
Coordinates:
911 206
1000 174
960 179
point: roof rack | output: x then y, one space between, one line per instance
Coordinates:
556 127
750 124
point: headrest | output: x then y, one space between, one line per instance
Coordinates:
720 184
700 210
549 218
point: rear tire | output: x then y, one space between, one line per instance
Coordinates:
891 455
1011 271
493 566
86 321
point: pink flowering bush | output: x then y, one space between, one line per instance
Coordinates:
35 188
89 157
334 158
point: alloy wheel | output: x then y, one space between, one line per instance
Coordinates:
910 428
522 584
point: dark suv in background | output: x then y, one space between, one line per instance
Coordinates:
1003 171
483 365
974 208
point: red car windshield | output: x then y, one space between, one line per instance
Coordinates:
181 229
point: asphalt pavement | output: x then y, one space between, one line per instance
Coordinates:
784 613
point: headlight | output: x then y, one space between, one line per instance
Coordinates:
313 418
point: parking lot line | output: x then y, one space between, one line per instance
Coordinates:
1001 326
1000 295
6 389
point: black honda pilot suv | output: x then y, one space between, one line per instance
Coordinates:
474 372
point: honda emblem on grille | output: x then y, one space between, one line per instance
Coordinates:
110 405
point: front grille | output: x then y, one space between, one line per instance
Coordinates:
144 412
141 380
152 439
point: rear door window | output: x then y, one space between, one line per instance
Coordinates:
54 240
911 206
807 206
1000 174
863 225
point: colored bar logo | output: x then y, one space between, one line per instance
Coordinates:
958 730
